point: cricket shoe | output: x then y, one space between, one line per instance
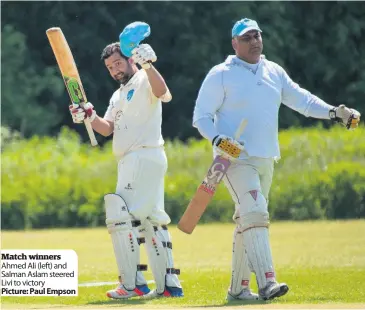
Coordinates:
273 290
245 294
122 293
169 291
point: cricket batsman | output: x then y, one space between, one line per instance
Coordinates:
135 212
248 86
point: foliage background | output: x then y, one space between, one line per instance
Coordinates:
60 182
320 45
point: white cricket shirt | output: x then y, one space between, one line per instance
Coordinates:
137 116
233 91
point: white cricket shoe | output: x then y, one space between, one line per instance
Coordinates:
245 294
122 293
273 290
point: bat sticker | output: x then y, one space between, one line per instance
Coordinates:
215 174
74 89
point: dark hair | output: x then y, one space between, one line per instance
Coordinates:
111 49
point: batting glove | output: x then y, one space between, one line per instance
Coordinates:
144 55
348 117
79 114
227 147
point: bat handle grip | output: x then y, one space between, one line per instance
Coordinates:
90 131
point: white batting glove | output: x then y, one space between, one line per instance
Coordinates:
79 114
227 147
144 55
348 117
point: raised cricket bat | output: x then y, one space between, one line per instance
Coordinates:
206 190
69 72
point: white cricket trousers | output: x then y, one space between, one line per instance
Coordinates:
141 184
245 175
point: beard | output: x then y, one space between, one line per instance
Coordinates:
123 77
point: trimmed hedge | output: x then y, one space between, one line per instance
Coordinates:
60 182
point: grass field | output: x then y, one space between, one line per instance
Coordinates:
322 262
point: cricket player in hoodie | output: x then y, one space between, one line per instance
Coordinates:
248 86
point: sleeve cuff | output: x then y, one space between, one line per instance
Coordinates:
166 97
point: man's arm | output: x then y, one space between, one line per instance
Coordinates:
103 126
308 104
301 100
158 84
144 55
210 98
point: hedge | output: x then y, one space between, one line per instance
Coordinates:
60 182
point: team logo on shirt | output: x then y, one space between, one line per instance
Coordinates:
130 94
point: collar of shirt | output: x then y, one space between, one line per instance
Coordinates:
132 79
235 61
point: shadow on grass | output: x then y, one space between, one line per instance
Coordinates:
238 303
130 302
118 302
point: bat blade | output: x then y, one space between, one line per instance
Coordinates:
203 195
69 72
207 188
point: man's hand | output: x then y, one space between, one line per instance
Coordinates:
348 117
227 147
144 55
79 114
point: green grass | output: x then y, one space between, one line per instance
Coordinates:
322 262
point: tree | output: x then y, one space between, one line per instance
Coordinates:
318 43
27 95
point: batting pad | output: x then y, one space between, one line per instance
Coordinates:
241 272
159 247
254 223
126 247
171 277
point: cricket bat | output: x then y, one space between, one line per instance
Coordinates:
69 72
206 190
